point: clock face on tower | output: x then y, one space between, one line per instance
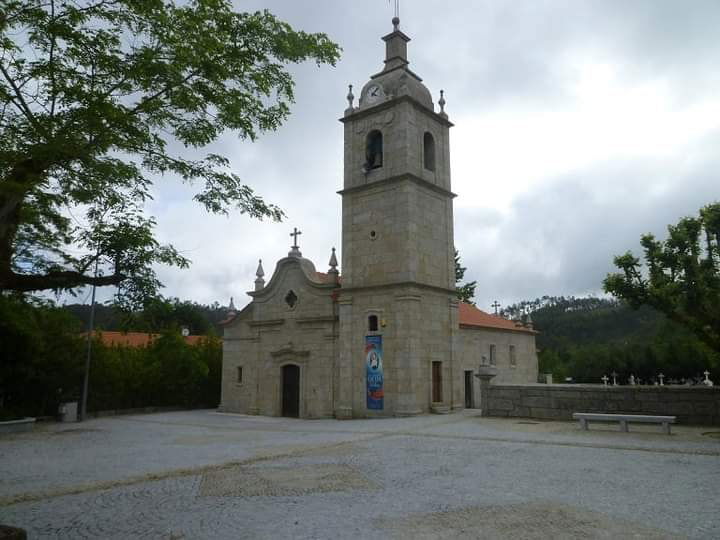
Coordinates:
374 93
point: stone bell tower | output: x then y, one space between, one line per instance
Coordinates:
398 281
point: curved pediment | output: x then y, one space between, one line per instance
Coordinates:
311 277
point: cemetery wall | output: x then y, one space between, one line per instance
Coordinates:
696 405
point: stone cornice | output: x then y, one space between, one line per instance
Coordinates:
270 322
288 350
383 286
309 320
518 330
397 179
357 115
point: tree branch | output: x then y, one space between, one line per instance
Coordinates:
55 280
22 106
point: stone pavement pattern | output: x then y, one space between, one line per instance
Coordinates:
199 474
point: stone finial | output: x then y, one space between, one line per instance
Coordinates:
396 23
260 274
333 266
231 307
442 103
350 98
529 321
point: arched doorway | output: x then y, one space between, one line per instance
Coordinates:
291 391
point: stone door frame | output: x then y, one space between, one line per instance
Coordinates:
288 356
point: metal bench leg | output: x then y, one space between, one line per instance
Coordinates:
583 424
666 427
623 425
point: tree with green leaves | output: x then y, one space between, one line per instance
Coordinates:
41 357
466 291
94 94
682 277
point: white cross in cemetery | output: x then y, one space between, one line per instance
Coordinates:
632 380
707 381
614 376
605 379
661 377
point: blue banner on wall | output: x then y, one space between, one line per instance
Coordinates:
374 372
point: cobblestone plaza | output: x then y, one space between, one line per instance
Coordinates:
202 474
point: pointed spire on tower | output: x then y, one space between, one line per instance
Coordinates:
333 272
259 274
395 47
231 307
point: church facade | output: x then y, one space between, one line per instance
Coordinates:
389 337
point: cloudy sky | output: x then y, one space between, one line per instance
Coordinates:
580 125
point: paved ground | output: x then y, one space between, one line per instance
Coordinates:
196 475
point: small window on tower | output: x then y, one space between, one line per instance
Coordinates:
429 151
239 374
374 150
372 323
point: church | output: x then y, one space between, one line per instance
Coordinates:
389 336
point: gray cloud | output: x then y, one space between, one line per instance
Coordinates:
561 237
558 236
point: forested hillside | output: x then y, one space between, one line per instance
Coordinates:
158 315
586 338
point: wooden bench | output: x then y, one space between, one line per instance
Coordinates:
625 419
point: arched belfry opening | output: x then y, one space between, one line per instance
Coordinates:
429 151
374 150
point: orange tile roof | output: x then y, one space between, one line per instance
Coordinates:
471 316
324 277
135 339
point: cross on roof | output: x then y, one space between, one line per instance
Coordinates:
295 234
496 305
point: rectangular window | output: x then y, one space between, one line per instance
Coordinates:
239 374
437 382
493 359
513 358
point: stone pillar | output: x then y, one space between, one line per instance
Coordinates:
344 375
485 374
407 350
457 387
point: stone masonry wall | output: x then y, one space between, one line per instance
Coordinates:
692 405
